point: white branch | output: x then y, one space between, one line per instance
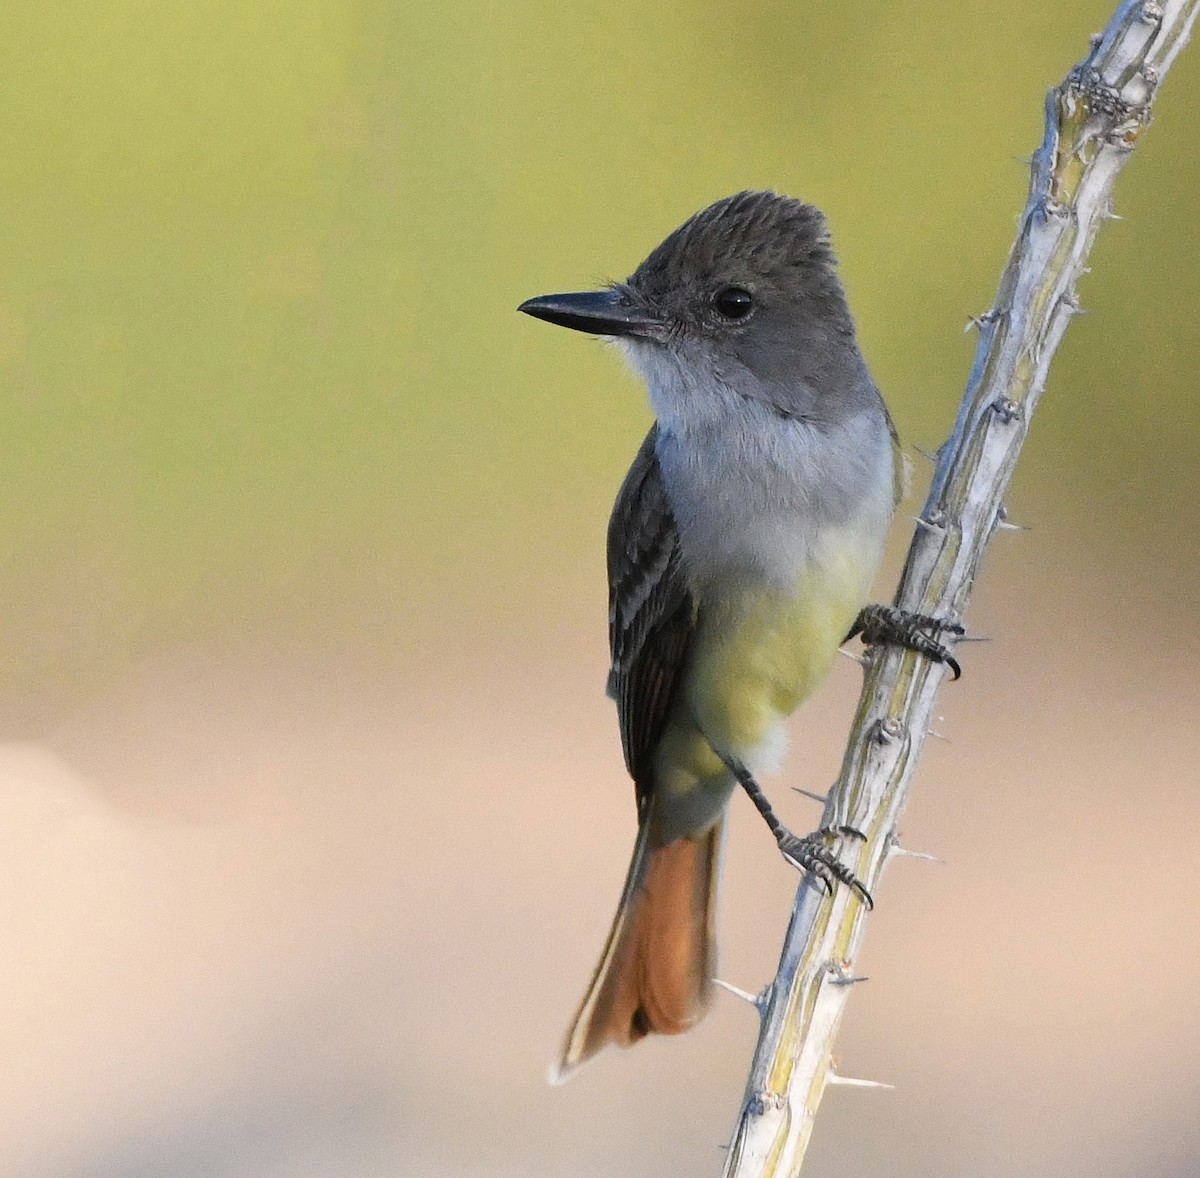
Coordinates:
1093 121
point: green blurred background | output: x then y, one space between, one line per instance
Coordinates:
313 810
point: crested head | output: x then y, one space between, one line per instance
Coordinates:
747 292
760 242
739 305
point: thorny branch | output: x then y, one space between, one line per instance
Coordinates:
1094 120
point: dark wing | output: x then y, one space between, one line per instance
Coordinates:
901 467
651 615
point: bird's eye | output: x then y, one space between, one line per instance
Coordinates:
733 302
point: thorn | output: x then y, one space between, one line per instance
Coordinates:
850 979
1003 522
850 1082
862 660
922 522
979 322
758 1001
926 454
808 793
939 735
1072 304
972 638
903 852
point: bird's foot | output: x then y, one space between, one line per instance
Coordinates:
885 625
813 854
810 853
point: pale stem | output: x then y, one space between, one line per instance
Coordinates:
1094 120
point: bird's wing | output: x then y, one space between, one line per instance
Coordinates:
901 467
651 614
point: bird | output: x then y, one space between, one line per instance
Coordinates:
741 552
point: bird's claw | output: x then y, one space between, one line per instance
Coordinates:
813 854
879 625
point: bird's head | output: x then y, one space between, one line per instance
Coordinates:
744 294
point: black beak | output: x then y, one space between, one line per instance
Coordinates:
599 312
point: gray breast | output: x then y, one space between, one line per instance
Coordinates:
752 496
752 489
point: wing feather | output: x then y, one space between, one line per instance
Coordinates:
651 613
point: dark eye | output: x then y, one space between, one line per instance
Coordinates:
733 302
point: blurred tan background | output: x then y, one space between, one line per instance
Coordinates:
312 811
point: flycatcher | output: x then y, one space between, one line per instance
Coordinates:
741 549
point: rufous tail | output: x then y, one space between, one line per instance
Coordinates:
655 975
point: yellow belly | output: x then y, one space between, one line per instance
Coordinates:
758 653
